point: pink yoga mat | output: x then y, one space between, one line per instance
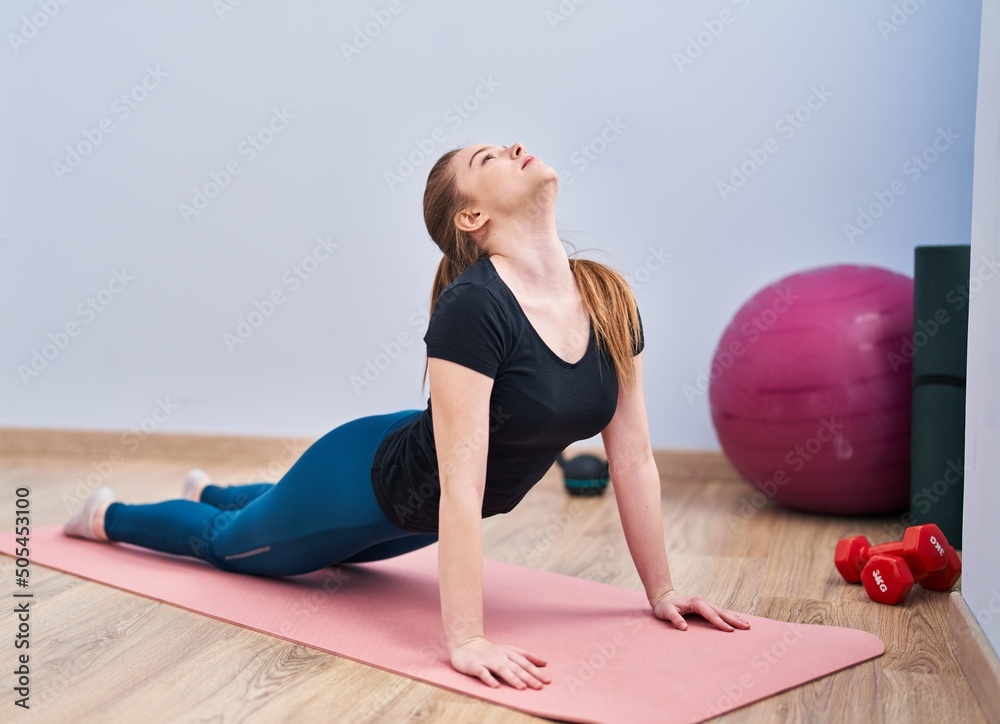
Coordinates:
609 658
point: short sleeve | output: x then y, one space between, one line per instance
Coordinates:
640 343
467 326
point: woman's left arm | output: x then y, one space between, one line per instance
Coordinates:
636 483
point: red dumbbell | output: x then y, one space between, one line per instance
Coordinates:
947 577
924 548
888 579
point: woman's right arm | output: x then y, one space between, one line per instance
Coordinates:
460 398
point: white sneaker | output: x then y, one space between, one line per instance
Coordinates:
81 525
194 483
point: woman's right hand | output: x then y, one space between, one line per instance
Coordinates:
483 658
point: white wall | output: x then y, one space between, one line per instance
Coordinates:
882 83
980 573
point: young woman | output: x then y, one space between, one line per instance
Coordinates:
527 351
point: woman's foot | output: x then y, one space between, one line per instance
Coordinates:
194 483
89 522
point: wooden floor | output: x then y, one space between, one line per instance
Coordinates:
100 654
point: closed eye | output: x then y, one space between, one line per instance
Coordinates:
490 155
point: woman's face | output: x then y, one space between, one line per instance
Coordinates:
498 180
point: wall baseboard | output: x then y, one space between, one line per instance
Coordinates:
104 444
975 655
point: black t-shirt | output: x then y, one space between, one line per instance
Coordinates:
539 404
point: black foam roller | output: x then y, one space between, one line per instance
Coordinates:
940 312
937 458
939 352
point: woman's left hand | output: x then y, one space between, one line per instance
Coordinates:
673 607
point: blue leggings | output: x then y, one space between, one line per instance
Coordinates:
322 512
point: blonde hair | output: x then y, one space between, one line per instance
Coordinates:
606 294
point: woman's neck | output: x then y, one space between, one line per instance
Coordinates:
537 270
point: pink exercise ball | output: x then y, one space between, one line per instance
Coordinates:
810 390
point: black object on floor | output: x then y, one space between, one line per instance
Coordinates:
941 293
584 475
